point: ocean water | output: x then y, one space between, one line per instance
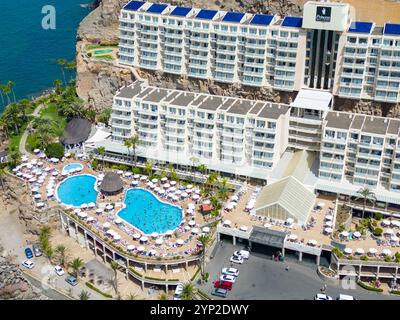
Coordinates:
28 52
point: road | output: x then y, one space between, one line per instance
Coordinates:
22 142
12 239
262 278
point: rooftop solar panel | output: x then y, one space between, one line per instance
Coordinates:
360 27
292 22
233 17
262 19
391 28
206 14
180 11
134 5
157 8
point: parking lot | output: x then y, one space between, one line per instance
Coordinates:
262 278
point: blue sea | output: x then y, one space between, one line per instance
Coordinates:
28 52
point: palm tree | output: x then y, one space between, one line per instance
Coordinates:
2 174
62 251
6 90
115 266
10 85
101 152
195 161
76 266
58 84
70 66
210 181
223 188
14 157
367 196
84 295
48 252
148 169
204 240
62 63
128 145
135 141
188 291
202 168
163 296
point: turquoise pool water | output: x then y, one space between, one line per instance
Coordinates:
72 166
77 190
103 51
148 214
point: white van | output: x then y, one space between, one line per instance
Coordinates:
178 291
345 297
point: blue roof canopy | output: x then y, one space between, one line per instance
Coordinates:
134 5
233 17
206 14
360 27
391 28
157 8
292 22
262 19
180 11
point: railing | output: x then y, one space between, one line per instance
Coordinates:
301 247
234 232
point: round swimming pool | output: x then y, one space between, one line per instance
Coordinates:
73 166
147 213
76 190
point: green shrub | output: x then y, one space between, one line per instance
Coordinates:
378 232
388 258
95 164
394 292
337 252
378 216
368 287
55 150
364 258
91 286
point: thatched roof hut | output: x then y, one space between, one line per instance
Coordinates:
111 184
76 131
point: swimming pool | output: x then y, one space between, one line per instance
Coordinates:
77 190
72 166
149 214
102 51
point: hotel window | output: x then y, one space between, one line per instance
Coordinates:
329 134
378 141
365 139
342 135
271 125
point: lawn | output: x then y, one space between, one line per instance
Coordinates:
105 57
51 113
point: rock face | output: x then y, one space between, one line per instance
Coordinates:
17 200
98 81
13 284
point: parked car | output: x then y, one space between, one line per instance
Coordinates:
345 297
28 264
322 296
28 253
230 271
223 284
219 292
242 253
71 280
36 250
59 271
235 259
178 291
227 278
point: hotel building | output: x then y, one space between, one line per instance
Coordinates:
325 49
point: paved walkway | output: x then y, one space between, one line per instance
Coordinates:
22 142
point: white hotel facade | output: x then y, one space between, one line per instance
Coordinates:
325 49
320 56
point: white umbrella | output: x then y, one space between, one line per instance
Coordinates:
195 231
189 186
192 223
142 178
234 198
32 180
206 201
118 221
91 204
169 232
292 236
40 204
37 196
166 186
82 214
90 219
289 220
206 229
189 211
84 205
120 172
329 223
154 180
135 182
227 222
360 251
54 173
106 225
196 196
357 234
386 252
312 242
109 207
128 174
130 247
187 228
394 238
344 233
389 231
144 239
329 217
136 176
116 237
140 248
110 232
175 198
321 204
172 183
99 210
36 150
184 194
385 222
161 191
180 242
159 241
328 230
229 206
77 210
50 193
372 250
35 189
163 179
136 236
191 205
395 223
348 250
156 189
154 234
243 228
267 225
